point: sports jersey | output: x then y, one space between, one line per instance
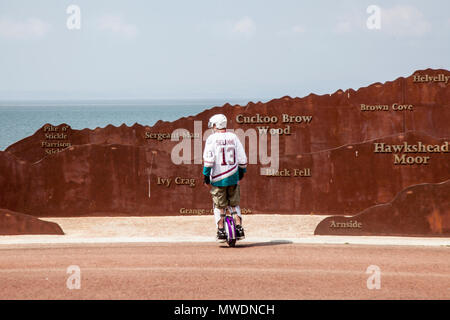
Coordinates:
222 157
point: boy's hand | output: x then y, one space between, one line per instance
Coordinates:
206 180
241 174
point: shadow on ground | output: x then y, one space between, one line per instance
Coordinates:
258 244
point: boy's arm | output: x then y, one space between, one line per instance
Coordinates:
206 174
208 160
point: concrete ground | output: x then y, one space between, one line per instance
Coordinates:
294 228
253 270
178 258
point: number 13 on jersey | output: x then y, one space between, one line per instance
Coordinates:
228 155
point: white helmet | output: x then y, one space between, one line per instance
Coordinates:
219 120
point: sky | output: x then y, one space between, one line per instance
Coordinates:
255 49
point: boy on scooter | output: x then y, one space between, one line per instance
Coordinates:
225 163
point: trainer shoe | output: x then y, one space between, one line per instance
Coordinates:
240 232
221 235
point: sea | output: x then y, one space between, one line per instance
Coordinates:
20 119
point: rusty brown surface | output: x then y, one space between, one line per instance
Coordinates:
421 210
14 223
337 119
108 171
